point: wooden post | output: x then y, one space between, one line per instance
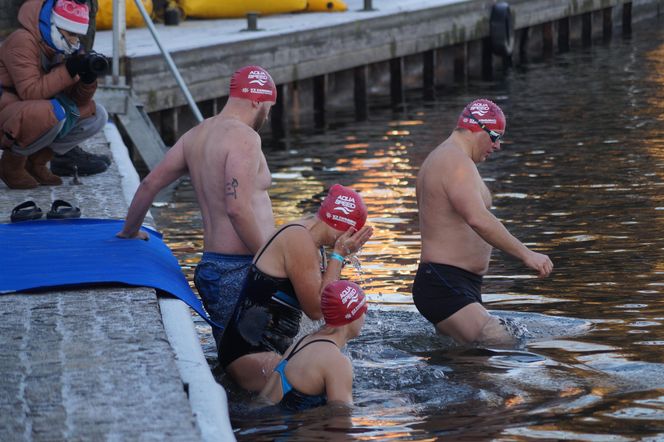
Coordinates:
279 117
523 46
627 19
361 93
586 29
607 23
547 39
320 89
396 81
487 59
429 75
207 108
563 34
460 62
169 126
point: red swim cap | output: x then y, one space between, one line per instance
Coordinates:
253 83
342 302
343 208
486 111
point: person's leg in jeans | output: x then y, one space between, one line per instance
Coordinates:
84 129
68 154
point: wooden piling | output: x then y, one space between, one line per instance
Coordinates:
586 28
547 39
607 23
627 19
429 75
487 59
563 34
361 92
169 125
320 86
460 62
396 82
279 115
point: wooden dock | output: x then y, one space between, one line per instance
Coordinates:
312 56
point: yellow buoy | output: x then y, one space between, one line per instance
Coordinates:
326 6
132 14
238 8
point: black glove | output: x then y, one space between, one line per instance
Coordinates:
88 77
76 64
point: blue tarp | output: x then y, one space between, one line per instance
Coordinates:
50 254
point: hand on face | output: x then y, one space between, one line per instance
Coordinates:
351 240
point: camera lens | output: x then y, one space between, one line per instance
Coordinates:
98 63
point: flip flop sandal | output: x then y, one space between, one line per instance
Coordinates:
63 210
26 211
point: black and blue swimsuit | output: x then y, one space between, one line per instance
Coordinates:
293 399
267 316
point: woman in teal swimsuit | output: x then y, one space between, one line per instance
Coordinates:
285 282
314 372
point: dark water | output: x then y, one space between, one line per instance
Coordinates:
580 178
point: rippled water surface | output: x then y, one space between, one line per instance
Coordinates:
580 178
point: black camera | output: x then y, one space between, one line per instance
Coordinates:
97 63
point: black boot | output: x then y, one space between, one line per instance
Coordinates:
87 163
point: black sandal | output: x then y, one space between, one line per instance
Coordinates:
63 210
26 211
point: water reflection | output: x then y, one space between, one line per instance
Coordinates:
581 179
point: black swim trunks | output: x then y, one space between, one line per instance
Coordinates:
441 290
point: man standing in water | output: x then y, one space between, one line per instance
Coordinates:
230 176
458 230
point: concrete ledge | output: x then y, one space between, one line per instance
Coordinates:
207 398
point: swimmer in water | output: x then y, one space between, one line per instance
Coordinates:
285 280
229 173
459 231
313 371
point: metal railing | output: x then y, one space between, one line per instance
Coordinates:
119 50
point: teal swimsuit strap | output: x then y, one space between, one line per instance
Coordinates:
281 367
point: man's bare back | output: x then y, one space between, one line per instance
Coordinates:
226 165
223 157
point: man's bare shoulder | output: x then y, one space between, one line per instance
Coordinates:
235 129
447 158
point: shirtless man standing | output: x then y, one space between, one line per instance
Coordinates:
458 230
230 176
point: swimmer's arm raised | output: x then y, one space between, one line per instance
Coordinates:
242 165
302 264
168 170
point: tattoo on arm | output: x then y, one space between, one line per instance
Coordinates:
231 188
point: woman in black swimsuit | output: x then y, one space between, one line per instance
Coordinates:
314 372
285 280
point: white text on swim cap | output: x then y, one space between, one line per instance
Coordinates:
259 77
348 296
343 219
479 108
345 204
356 308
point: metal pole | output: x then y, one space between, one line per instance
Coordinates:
119 47
169 62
